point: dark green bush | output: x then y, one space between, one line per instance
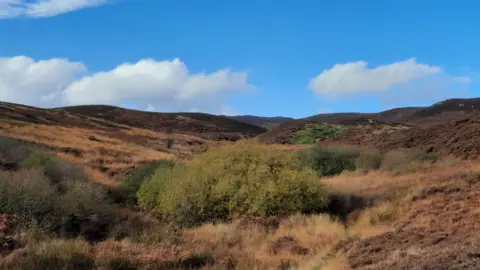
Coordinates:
12 150
241 178
328 161
170 142
36 159
56 170
132 183
368 159
30 195
311 132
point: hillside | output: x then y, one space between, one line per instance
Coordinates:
450 109
430 128
205 125
266 122
110 117
111 141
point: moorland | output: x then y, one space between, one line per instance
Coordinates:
102 187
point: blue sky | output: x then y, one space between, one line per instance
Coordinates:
264 57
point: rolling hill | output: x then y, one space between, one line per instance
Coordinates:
266 122
111 141
448 127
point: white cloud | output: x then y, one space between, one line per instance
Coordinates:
356 78
22 80
43 8
147 84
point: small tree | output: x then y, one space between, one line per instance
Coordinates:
170 142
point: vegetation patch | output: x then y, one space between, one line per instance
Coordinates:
328 161
241 178
406 160
311 132
131 184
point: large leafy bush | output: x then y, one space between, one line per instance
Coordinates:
241 178
131 184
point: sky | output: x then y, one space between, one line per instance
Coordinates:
259 57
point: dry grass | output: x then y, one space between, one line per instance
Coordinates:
309 242
382 183
297 239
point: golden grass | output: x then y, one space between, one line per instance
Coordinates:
382 183
316 234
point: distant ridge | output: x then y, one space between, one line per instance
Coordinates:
110 117
266 122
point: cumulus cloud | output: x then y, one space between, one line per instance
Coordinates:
357 78
148 84
43 8
23 80
400 83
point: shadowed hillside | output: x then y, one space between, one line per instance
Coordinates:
450 109
266 122
206 125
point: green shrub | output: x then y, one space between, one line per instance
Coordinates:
245 177
132 183
406 160
150 191
30 195
368 159
60 171
12 150
170 142
311 132
36 159
328 161
57 170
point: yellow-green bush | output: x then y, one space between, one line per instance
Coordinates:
245 177
132 183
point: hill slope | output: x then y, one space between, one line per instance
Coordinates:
206 125
111 141
401 124
266 122
450 109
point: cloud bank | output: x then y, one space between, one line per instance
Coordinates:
147 84
43 8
